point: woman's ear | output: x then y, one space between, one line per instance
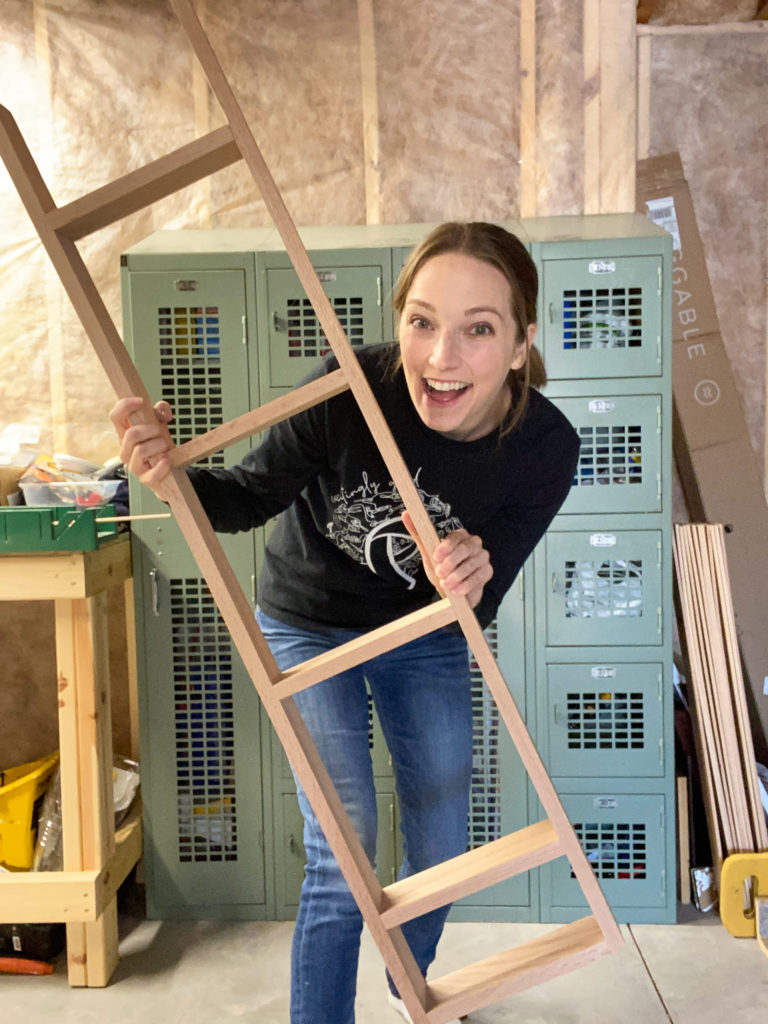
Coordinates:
522 351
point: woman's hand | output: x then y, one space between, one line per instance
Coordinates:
460 564
145 448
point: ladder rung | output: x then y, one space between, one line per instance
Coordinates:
146 185
488 981
369 645
259 419
480 868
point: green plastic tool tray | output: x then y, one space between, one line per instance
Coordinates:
55 529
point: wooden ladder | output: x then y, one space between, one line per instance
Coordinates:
384 909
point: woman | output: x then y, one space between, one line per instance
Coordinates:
493 461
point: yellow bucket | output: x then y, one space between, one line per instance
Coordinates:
20 790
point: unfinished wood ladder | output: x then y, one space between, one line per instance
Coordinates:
384 909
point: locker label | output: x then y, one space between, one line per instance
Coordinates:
602 540
602 405
326 276
606 803
602 267
603 672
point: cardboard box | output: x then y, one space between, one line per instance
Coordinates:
9 481
718 468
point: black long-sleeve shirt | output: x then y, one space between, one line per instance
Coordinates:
339 554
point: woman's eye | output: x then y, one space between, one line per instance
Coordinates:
481 330
420 322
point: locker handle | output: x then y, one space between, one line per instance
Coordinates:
551 312
155 592
276 321
554 582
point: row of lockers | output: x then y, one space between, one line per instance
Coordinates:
585 652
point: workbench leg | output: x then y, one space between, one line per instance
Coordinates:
87 801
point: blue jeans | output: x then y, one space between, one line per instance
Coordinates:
421 692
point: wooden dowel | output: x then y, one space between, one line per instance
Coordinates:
122 519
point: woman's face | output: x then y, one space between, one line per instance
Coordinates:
458 341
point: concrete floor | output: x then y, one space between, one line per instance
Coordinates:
222 972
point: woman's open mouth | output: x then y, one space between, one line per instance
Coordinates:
444 391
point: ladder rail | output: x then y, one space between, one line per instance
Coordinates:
148 184
259 419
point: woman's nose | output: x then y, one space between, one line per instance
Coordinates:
444 352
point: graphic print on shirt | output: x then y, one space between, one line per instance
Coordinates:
366 525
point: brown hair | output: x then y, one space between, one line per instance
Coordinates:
504 251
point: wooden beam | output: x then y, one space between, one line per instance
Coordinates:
610 106
514 970
478 869
365 647
591 98
720 29
140 188
259 419
643 97
618 106
528 189
368 68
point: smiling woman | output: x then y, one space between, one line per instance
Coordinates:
466 299
492 460
458 345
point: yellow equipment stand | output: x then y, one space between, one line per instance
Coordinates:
737 870
96 859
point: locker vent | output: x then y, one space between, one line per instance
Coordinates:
616 852
605 721
204 725
610 455
190 371
306 336
602 318
598 590
485 800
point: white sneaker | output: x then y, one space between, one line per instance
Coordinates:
399 1005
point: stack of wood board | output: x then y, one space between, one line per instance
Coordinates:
726 755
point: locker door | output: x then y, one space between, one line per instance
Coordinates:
622 835
189 332
602 317
605 720
499 791
295 339
201 719
603 588
619 467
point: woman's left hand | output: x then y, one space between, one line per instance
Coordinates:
460 564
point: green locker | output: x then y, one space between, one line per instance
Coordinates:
604 587
623 835
294 338
202 729
619 466
602 316
605 719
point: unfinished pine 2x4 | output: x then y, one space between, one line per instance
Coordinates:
384 909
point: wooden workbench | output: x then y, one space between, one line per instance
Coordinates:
96 860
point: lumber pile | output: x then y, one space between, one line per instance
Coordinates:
735 817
